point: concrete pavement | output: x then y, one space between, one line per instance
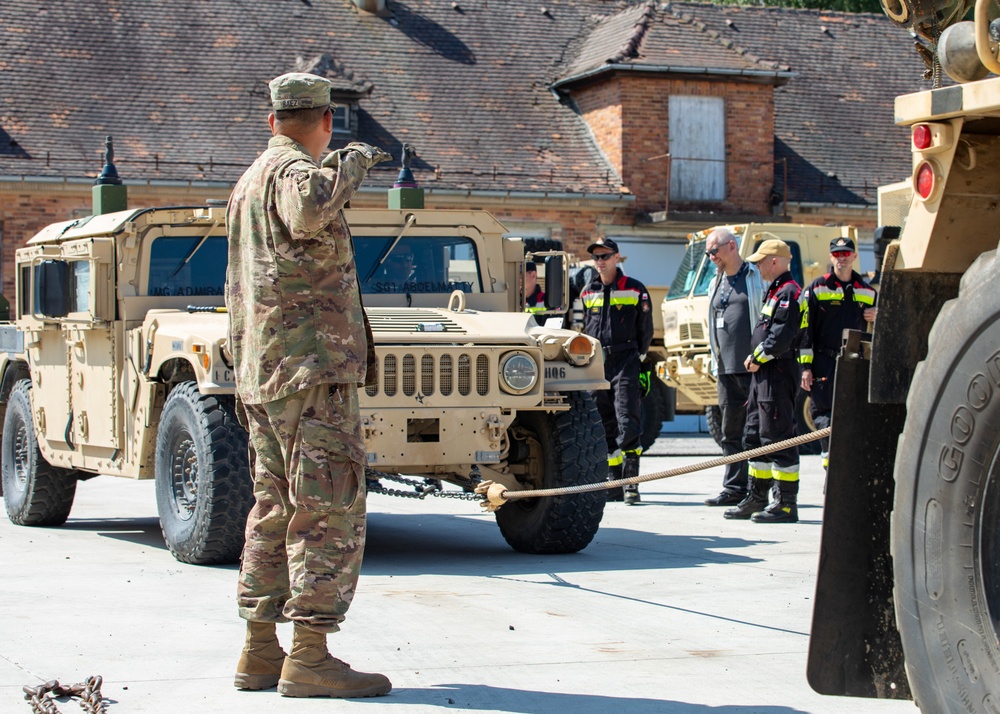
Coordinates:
672 609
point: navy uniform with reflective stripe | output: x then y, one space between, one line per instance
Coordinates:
831 306
771 405
536 301
621 317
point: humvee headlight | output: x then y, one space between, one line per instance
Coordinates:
519 373
578 350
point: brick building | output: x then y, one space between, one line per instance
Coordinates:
639 120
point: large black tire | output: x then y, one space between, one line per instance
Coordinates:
655 411
557 450
34 492
804 423
713 417
946 515
539 244
203 486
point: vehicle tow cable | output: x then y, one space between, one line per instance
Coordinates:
42 698
497 494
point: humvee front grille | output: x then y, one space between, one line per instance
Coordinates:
691 331
399 373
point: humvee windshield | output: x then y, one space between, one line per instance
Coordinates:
188 266
417 265
695 271
194 265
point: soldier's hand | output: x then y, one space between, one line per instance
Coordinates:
871 313
374 154
807 380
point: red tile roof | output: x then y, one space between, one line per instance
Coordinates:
182 85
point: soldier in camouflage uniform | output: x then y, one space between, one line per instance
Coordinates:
300 345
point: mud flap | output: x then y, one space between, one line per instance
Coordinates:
854 648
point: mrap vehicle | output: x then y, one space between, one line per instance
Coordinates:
908 591
116 363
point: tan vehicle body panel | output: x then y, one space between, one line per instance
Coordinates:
100 375
686 362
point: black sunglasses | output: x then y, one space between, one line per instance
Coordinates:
601 256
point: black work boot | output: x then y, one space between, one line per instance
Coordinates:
615 473
784 510
631 470
755 502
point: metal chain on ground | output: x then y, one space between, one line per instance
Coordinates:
422 488
497 494
42 698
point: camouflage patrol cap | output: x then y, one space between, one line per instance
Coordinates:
299 90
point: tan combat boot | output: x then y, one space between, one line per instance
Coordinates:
310 671
262 658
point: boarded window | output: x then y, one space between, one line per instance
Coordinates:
697 149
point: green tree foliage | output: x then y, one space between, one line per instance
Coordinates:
839 5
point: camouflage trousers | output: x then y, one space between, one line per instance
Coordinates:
305 535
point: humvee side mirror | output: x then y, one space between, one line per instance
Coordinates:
555 284
52 288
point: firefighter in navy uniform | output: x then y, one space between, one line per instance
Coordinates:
617 311
773 385
837 301
534 296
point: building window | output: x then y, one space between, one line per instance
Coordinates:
697 148
342 119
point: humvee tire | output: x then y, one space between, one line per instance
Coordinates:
804 423
946 556
35 493
713 417
562 449
654 412
204 490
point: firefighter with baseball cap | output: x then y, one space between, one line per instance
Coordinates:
837 301
774 382
617 311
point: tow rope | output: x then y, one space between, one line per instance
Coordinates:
497 494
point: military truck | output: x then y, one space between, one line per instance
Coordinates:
117 363
908 591
686 364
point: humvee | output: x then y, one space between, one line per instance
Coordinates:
116 363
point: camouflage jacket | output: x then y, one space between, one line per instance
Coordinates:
295 317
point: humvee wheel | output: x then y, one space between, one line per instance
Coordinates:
562 449
34 492
946 515
804 423
203 486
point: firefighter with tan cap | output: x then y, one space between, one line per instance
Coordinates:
773 385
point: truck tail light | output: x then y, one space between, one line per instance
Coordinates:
932 137
925 180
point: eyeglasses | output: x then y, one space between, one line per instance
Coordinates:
841 253
714 252
601 256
